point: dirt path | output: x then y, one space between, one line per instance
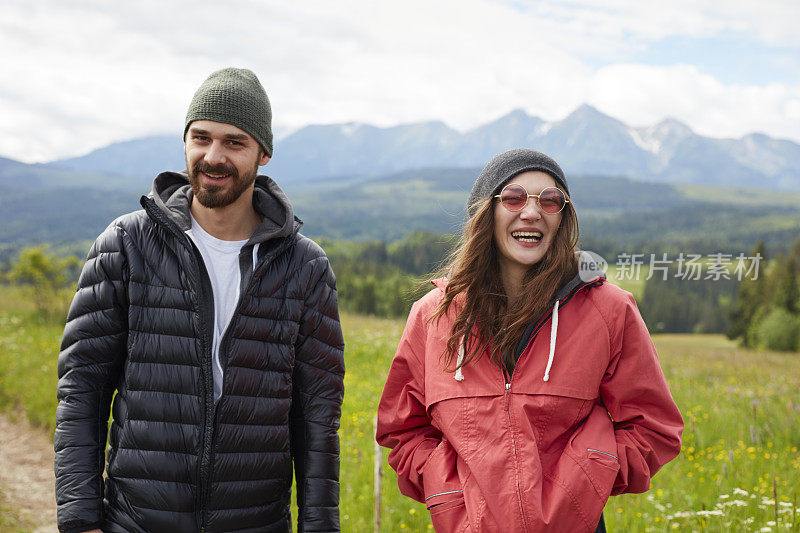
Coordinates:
26 472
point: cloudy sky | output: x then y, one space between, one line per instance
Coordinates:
81 74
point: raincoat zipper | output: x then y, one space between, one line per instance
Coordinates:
509 376
516 458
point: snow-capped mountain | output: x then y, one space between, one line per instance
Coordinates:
585 142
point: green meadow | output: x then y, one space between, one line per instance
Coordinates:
739 469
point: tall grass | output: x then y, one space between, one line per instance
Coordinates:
370 344
739 469
29 345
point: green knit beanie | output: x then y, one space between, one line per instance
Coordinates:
234 96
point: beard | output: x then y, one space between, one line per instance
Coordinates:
215 196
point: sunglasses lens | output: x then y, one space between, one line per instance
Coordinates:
513 197
552 200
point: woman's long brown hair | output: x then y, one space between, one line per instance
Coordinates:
476 293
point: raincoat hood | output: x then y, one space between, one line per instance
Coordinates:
589 273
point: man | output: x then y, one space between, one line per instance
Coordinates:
215 323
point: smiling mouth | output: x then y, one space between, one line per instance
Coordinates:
216 177
527 236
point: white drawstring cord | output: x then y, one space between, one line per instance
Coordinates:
459 376
553 333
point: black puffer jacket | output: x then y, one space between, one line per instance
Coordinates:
141 325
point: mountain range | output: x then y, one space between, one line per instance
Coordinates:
585 142
656 188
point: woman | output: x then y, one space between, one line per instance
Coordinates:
523 394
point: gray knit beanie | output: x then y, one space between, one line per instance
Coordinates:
234 96
505 166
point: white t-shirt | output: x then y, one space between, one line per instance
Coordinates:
222 263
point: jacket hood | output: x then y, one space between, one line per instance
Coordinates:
589 271
172 194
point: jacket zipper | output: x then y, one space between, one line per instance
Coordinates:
209 411
224 364
253 276
604 453
209 407
205 361
443 493
507 378
223 343
516 458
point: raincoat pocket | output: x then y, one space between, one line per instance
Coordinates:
444 494
450 515
582 479
603 469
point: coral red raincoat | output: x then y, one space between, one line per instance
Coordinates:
586 413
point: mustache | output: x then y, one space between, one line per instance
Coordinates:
205 168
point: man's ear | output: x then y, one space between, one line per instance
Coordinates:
263 159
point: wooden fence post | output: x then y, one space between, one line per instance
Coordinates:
378 475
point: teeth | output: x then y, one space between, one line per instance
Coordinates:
527 236
216 176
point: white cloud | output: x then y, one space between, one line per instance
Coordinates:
82 75
641 95
772 22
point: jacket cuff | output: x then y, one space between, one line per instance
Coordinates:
83 528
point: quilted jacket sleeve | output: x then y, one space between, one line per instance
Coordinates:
403 423
92 354
647 423
317 393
